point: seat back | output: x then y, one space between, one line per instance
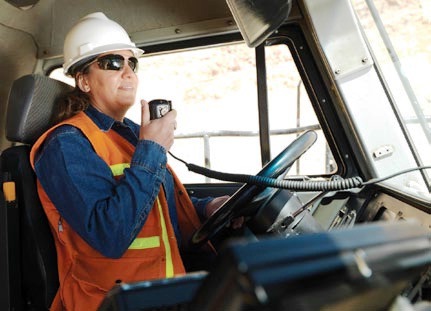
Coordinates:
32 262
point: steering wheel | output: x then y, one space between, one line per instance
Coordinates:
236 205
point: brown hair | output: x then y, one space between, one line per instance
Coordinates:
72 103
75 100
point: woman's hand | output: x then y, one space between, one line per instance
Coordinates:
160 130
215 204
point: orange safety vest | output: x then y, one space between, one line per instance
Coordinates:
85 275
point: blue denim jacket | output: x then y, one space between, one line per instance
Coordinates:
106 213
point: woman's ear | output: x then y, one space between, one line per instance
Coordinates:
81 81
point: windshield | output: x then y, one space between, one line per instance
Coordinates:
399 36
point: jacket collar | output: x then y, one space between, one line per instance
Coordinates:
103 121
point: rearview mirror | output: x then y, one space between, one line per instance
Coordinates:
258 19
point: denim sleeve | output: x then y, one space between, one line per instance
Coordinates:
107 213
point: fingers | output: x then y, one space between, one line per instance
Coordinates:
237 223
215 204
145 113
170 117
159 130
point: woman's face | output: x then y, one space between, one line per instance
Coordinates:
112 92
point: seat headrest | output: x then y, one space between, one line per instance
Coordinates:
31 106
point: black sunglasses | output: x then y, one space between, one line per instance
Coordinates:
113 62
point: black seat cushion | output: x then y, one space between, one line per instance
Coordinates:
38 255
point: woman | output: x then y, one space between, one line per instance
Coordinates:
117 211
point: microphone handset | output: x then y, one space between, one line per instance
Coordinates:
159 107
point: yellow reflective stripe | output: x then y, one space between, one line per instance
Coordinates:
118 169
143 243
9 191
169 264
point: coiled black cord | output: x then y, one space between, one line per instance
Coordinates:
298 185
335 184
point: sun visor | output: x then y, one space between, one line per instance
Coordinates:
258 19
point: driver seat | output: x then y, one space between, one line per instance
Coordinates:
32 276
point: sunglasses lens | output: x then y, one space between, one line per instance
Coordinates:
116 62
133 63
111 62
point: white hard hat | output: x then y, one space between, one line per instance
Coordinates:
95 34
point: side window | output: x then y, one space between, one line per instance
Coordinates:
291 113
214 91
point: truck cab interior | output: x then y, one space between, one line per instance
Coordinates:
313 115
